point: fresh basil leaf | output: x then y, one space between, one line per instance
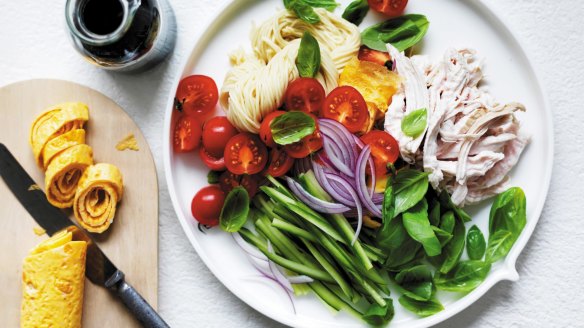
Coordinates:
377 315
356 11
303 10
410 187
388 206
452 251
447 204
235 210
418 227
414 124
291 127
506 221
475 243
329 5
447 222
421 308
466 276
402 32
394 240
416 282
443 236
308 59
434 215
213 177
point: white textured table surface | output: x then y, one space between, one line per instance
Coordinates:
550 293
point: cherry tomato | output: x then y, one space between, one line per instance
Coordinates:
305 94
212 162
197 96
346 105
228 181
374 56
207 204
245 154
216 133
384 149
389 8
187 134
266 131
280 163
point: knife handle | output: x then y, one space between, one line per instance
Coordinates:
135 302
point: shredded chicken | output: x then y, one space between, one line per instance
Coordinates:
471 142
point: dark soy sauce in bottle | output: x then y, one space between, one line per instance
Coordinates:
124 35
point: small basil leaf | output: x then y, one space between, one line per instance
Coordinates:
377 315
421 308
402 32
329 5
308 59
213 177
388 206
416 282
410 187
447 204
466 276
447 222
475 243
506 221
303 10
291 127
443 236
434 215
452 251
418 227
356 11
394 240
235 210
414 123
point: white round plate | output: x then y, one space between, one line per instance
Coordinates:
510 77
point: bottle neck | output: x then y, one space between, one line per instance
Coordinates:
76 16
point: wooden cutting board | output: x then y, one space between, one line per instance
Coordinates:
132 240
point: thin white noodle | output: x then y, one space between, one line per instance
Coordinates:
255 86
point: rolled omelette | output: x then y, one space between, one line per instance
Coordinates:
64 173
54 122
61 143
53 278
100 189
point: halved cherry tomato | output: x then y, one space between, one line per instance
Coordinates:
384 149
280 163
228 181
346 105
245 154
196 96
390 8
216 133
374 56
212 162
266 131
187 134
207 204
305 94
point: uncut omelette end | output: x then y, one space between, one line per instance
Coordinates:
53 279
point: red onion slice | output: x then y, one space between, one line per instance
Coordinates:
358 206
339 194
361 145
362 184
316 204
337 162
247 248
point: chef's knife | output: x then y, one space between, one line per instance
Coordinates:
99 269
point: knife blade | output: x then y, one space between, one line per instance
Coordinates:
98 268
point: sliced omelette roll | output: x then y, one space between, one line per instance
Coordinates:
53 278
54 122
61 143
98 193
64 172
